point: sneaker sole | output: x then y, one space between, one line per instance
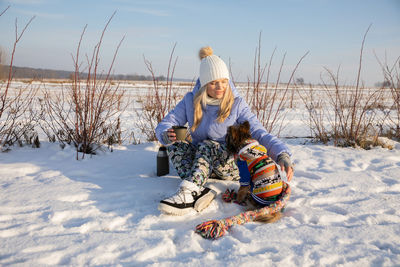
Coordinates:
167 209
204 201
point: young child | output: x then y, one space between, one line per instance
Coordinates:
259 174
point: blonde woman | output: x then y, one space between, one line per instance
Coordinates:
212 106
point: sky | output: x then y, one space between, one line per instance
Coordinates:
331 31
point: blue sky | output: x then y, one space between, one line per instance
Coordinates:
331 30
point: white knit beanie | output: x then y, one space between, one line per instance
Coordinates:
211 67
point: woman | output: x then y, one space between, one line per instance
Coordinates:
212 106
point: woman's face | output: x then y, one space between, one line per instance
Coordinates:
216 89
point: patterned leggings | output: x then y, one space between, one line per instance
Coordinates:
198 163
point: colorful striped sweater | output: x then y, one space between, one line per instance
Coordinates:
260 172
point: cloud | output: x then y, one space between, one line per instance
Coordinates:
153 12
41 14
148 7
27 2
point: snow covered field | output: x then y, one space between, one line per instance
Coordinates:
55 210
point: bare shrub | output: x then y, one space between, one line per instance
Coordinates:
86 113
352 120
17 116
392 83
316 110
158 101
268 99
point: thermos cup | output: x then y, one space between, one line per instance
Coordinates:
181 132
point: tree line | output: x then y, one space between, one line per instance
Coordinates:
38 74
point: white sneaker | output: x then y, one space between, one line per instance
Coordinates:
188 197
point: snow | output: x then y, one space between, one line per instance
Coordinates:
102 210
55 210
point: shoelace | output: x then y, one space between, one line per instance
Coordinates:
179 194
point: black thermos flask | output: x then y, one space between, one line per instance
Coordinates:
162 161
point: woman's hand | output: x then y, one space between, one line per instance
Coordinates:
289 172
169 136
286 165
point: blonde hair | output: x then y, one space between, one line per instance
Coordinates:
200 100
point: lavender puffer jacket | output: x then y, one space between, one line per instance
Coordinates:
210 128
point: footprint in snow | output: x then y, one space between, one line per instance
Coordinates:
356 165
76 222
390 182
308 175
336 209
387 247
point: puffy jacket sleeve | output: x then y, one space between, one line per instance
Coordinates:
176 116
273 144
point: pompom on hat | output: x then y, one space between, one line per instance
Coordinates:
211 67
